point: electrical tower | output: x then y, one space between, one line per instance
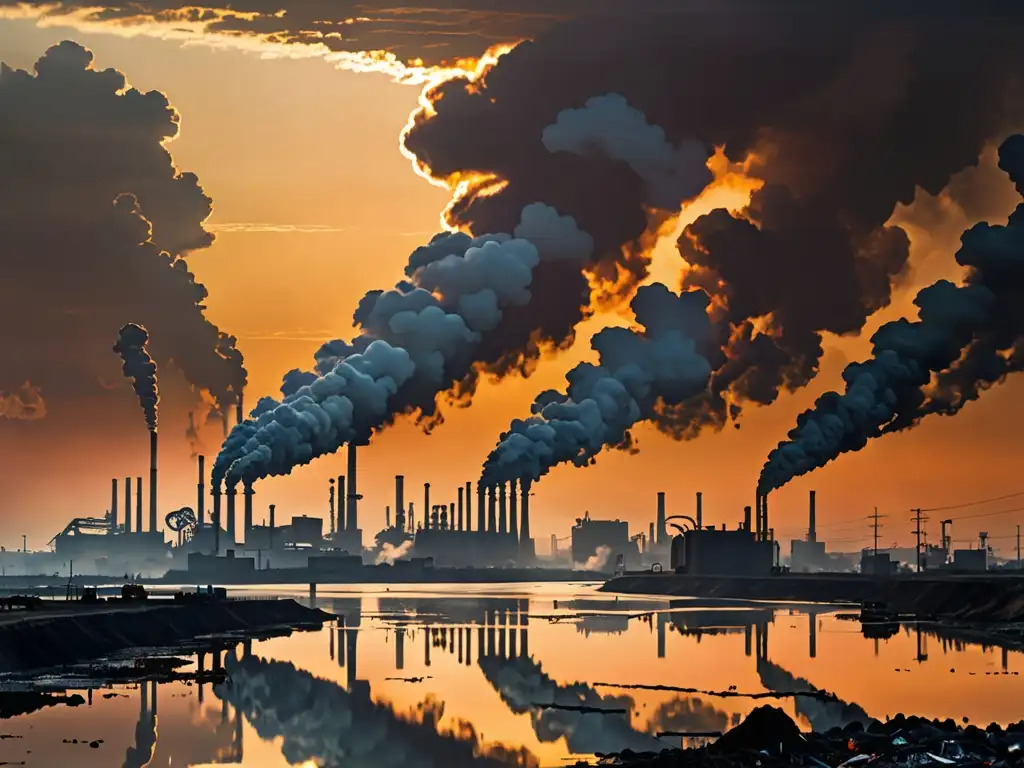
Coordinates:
876 526
919 531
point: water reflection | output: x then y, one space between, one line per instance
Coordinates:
519 678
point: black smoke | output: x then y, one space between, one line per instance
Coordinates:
133 347
968 337
95 224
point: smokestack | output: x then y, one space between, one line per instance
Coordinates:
231 516
138 506
812 532
351 511
426 506
127 504
460 507
469 506
764 517
746 518
113 504
757 515
387 516
481 522
412 517
201 499
340 496
502 510
330 507
216 519
152 481
247 519
524 528
272 526
700 511
400 502
650 536
659 525
492 517
513 523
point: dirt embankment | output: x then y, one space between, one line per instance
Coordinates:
48 640
963 598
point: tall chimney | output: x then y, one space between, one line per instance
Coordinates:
152 481
700 511
492 516
231 516
757 515
138 506
502 510
460 508
524 528
247 519
340 525
746 518
764 516
469 506
273 526
812 531
387 516
351 511
513 523
330 507
481 521
659 524
113 504
127 504
400 502
216 518
412 517
426 506
201 499
650 536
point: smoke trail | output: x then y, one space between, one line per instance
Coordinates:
132 346
640 372
417 340
389 553
25 404
966 339
596 561
319 722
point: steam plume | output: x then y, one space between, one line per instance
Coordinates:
389 553
967 338
598 560
132 346
417 340
639 372
24 404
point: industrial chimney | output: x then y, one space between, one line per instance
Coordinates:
502 510
152 481
400 502
492 516
201 491
426 506
341 505
746 517
764 517
273 525
232 491
247 518
659 525
812 533
216 518
700 511
351 512
138 506
113 504
330 507
513 522
469 506
481 523
461 508
127 504
524 528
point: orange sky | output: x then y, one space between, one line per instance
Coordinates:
299 142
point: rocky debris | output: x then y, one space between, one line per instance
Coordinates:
17 703
768 738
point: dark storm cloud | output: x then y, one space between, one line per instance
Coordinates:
94 221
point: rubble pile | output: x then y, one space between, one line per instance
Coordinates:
768 738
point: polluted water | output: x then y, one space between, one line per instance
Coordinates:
523 675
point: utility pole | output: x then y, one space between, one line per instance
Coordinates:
876 526
918 531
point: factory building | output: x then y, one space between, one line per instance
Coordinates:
706 551
598 544
809 555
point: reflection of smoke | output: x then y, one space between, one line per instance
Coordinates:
26 404
389 553
523 685
596 561
141 754
322 723
822 715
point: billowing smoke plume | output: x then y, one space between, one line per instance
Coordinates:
389 552
24 404
90 193
597 561
133 347
640 372
320 722
967 338
831 108
417 340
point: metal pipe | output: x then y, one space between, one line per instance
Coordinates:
351 511
113 504
201 488
152 481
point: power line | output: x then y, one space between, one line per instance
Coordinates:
971 503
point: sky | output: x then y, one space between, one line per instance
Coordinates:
314 204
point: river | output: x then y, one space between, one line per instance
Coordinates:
453 678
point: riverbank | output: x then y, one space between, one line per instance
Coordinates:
384 574
72 632
964 598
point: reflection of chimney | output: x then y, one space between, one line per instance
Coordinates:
481 522
492 516
659 525
113 504
400 648
231 515
201 499
351 636
813 639
351 513
469 645
247 518
400 502
812 533
469 506
426 646
700 510
662 623
152 482
502 509
426 505
127 505
340 525
216 519
513 522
